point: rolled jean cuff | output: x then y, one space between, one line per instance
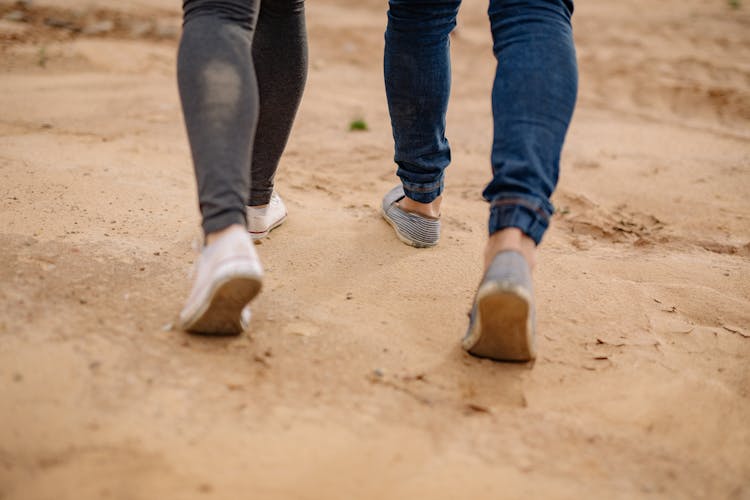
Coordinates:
527 215
223 220
423 193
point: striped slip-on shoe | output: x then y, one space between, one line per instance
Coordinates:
501 325
412 229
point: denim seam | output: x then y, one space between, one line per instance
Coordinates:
422 188
521 217
503 202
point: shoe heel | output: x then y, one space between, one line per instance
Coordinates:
223 316
504 326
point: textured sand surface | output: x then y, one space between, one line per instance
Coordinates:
351 382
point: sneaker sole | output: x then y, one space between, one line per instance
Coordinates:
221 313
402 237
502 329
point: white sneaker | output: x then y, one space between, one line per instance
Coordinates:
228 275
261 220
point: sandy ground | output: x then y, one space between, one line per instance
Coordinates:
351 382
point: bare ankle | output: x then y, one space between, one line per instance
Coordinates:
510 238
431 210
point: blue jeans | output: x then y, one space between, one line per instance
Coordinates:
533 97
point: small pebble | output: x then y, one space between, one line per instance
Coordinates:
99 28
167 30
54 22
15 16
139 29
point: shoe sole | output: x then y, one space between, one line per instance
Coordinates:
405 239
263 234
221 313
502 329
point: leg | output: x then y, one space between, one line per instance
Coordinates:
219 97
532 102
417 83
280 57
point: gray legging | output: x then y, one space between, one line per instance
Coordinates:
241 70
